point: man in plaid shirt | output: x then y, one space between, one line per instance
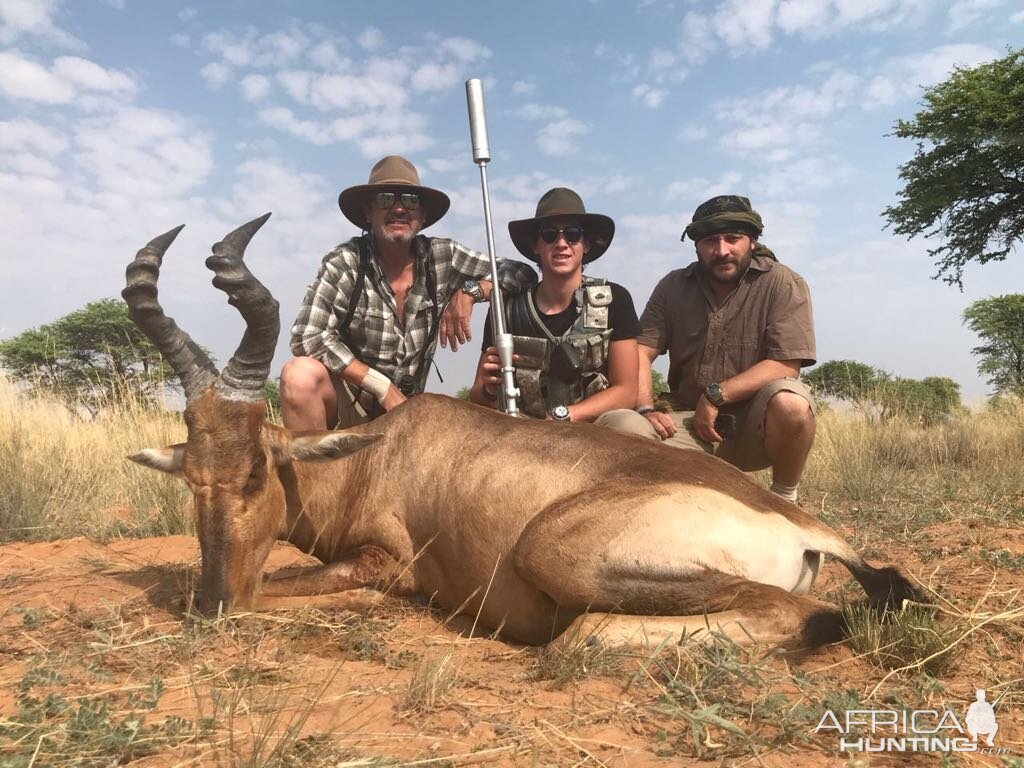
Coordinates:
366 332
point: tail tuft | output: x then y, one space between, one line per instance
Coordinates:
887 588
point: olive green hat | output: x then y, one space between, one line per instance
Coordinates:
724 213
392 174
559 203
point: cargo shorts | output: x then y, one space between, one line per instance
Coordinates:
746 450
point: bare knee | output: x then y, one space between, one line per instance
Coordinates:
303 378
790 413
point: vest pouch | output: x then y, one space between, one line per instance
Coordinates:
566 363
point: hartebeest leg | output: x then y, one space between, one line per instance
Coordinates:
368 567
743 611
352 600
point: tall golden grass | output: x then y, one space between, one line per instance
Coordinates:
63 475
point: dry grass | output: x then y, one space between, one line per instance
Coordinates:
306 689
62 475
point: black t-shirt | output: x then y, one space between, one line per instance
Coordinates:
622 318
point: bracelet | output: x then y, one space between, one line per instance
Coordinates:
643 410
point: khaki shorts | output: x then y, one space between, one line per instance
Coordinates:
746 450
355 406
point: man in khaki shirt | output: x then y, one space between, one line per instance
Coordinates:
737 326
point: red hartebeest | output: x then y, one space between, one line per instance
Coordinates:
532 526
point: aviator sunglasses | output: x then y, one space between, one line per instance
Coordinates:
409 200
572 235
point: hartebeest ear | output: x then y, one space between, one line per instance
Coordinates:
167 459
321 447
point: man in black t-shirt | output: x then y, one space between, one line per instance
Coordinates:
574 337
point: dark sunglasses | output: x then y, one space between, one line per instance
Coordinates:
572 235
409 200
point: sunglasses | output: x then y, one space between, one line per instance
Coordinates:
572 235
409 200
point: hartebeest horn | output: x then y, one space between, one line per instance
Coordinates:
193 367
247 371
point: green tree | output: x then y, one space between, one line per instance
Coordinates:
965 182
999 323
844 379
463 393
89 357
881 395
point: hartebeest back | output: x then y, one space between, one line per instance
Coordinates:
529 525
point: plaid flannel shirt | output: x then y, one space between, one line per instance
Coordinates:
374 334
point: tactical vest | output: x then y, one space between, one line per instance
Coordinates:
586 341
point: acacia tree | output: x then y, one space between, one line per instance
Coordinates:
879 394
89 357
965 182
999 323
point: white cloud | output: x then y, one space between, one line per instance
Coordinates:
33 18
371 39
1018 18
692 132
215 74
22 78
522 88
91 77
694 191
70 77
534 111
465 50
181 40
904 76
254 87
648 96
746 26
435 77
558 138
325 55
143 153
187 13
23 134
964 13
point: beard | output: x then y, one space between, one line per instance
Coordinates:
398 237
742 263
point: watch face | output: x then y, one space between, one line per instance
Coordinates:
560 413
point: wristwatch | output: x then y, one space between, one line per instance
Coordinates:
713 392
472 287
560 413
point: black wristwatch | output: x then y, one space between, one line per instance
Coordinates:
713 392
472 287
560 413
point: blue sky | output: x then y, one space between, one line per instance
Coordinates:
121 119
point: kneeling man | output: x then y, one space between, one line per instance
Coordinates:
737 326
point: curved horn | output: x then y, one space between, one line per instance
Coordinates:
247 371
193 367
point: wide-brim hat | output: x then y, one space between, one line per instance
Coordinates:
392 174
561 202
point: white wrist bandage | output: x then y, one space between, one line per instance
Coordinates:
376 383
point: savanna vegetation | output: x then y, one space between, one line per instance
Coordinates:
107 664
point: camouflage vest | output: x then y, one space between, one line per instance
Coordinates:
587 340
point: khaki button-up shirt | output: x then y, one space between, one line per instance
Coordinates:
767 317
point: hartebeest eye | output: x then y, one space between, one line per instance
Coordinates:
256 475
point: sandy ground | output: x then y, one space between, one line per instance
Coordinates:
101 622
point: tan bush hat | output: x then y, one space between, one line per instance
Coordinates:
560 202
392 174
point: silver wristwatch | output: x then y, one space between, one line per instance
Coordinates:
560 413
472 287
